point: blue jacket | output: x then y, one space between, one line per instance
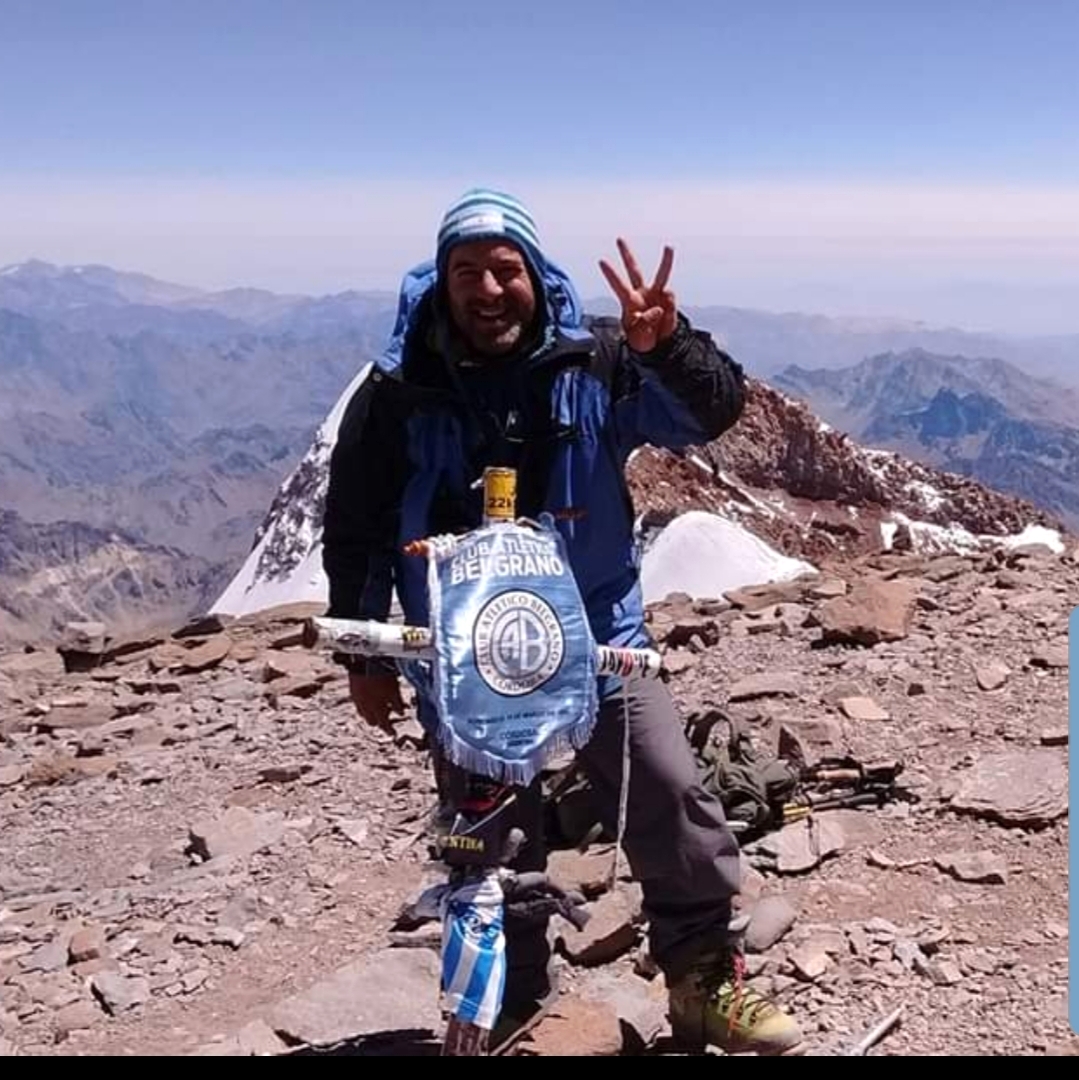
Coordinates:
425 422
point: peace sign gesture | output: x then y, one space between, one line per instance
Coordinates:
649 312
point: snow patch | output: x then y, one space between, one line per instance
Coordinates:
929 539
701 463
953 539
248 594
930 496
1037 534
706 555
285 567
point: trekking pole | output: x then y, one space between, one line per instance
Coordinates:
874 1035
797 811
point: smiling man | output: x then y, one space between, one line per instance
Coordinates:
492 363
490 296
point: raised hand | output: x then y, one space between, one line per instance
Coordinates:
649 312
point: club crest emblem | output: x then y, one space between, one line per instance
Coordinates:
519 643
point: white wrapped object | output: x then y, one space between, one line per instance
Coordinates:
360 637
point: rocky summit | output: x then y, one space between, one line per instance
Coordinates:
205 853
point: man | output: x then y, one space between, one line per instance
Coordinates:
493 363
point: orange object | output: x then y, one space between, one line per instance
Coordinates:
499 494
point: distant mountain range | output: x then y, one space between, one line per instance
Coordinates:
170 414
767 342
107 301
985 419
131 403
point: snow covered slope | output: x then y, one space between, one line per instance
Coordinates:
285 565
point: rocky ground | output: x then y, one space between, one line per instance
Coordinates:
204 853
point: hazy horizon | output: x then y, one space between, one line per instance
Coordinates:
917 163
751 271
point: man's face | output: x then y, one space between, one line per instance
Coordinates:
491 297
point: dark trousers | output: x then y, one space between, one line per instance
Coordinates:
676 839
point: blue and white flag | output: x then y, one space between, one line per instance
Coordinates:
515 677
474 951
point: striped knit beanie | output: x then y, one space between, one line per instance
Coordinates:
481 214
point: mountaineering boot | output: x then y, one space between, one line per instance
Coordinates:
711 1006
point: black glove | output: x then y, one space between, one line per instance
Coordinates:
534 897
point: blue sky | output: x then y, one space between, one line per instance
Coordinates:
134 132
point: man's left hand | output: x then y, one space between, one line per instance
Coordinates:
649 312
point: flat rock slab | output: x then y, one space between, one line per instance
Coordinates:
237 832
257 1039
828 589
871 613
611 930
863 708
87 944
49 957
202 657
587 872
10 775
755 597
38 664
75 717
286 665
391 991
1016 789
803 845
639 1005
818 733
1051 656
120 993
810 961
774 684
992 676
78 1016
976 867
576 1028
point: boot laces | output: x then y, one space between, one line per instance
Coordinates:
725 980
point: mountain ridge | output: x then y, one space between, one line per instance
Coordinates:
176 414
980 418
766 340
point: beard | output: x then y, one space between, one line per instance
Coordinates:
493 336
494 329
